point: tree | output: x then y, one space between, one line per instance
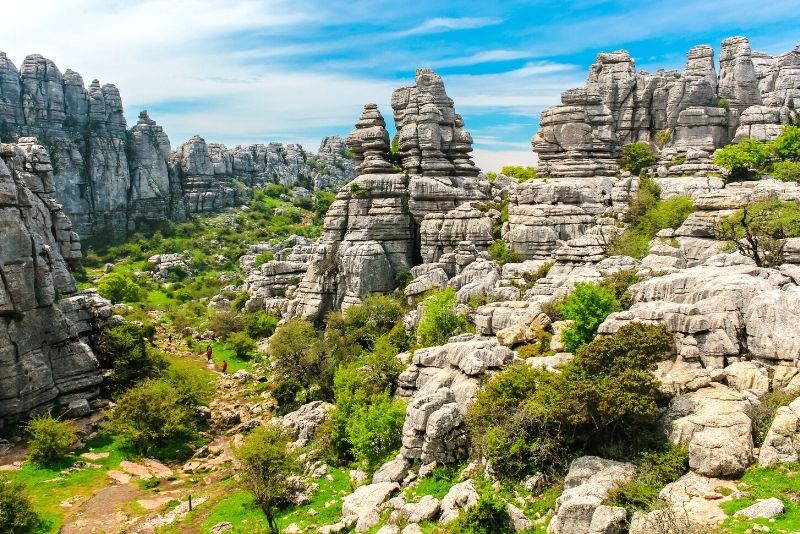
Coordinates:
786 146
17 515
295 355
242 344
152 414
759 229
522 174
118 287
636 156
439 319
266 464
375 430
123 350
49 438
744 160
587 306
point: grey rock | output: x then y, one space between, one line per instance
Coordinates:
782 443
763 508
460 497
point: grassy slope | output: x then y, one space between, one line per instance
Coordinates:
781 481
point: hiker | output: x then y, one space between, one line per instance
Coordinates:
224 366
209 351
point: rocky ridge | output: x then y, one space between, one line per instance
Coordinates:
112 180
687 114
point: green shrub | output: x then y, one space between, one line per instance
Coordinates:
296 358
49 439
489 516
764 412
500 252
225 322
242 344
663 137
267 463
124 350
744 160
787 145
152 414
263 258
605 401
759 229
636 156
17 515
275 190
260 324
118 287
240 300
723 103
522 174
439 319
587 306
323 201
491 176
375 430
788 171
648 215
619 283
654 470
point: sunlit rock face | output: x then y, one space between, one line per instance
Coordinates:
689 114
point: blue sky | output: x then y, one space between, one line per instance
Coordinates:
242 71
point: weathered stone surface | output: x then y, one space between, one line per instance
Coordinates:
714 423
304 421
370 142
460 497
586 487
45 357
763 508
782 443
362 506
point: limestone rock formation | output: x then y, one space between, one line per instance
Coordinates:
44 323
111 180
370 142
688 114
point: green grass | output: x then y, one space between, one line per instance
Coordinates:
239 509
781 481
437 484
221 352
47 496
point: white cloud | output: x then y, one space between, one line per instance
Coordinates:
443 24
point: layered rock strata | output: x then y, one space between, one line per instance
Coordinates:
688 114
45 356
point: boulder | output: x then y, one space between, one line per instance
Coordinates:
460 497
782 443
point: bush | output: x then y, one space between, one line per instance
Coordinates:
151 415
296 357
439 319
225 322
263 258
648 215
260 324
489 516
587 306
49 439
17 515
759 229
118 287
744 160
123 350
605 401
275 190
655 469
375 430
788 171
242 344
636 156
267 465
522 174
787 145
500 252
764 412
323 201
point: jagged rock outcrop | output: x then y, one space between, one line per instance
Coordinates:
371 233
111 180
45 356
688 114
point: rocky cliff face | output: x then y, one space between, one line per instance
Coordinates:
112 180
45 358
689 114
